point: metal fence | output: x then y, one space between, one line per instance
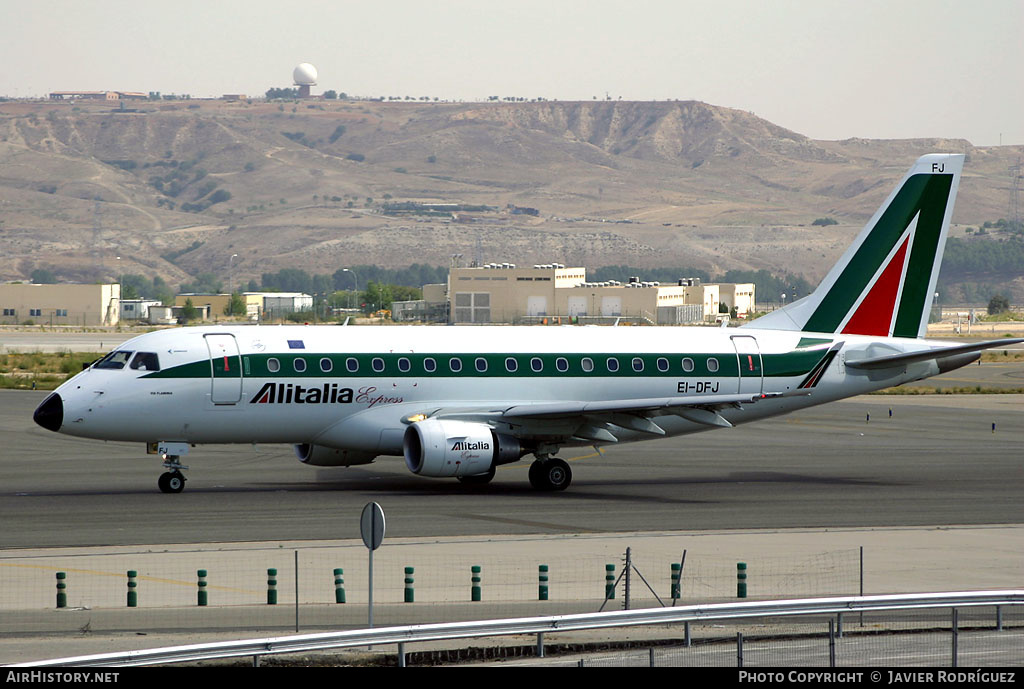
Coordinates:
974 631
95 586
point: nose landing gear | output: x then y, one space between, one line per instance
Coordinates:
172 481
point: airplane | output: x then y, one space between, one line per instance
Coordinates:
458 402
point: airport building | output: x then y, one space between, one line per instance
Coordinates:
60 304
257 304
505 293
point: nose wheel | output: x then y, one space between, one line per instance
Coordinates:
172 481
550 474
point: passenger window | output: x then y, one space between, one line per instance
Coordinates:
404 365
273 365
688 364
713 365
662 364
115 360
638 364
378 364
455 364
326 365
612 364
537 364
562 364
588 364
299 364
146 361
429 365
481 364
511 365
352 364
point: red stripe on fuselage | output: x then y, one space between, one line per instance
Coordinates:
874 315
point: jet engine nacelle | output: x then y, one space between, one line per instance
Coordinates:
320 456
440 448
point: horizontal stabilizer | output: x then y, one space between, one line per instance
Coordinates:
894 360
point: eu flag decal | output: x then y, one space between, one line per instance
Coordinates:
296 344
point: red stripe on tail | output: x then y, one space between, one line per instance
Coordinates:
874 315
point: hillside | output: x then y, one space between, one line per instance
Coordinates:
303 184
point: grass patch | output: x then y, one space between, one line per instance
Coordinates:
47 370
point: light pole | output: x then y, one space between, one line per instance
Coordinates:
355 281
231 289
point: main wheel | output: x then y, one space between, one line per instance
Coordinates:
536 475
557 474
171 482
551 474
478 479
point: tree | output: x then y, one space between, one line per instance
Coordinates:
999 303
43 276
331 94
189 312
235 305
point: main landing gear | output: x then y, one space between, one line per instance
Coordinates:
551 474
172 481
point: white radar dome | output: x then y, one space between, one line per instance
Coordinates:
304 74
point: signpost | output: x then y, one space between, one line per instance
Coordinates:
371 527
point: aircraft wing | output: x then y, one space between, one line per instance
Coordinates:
599 420
893 360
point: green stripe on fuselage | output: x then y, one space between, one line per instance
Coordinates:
794 363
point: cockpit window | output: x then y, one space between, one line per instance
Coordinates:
145 361
115 360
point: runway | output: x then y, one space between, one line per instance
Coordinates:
934 461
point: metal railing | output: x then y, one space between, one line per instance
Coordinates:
403 635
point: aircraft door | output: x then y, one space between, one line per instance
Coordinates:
225 369
748 356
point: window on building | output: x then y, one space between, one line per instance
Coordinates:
35 312
61 313
472 307
9 312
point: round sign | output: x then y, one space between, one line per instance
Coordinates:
371 525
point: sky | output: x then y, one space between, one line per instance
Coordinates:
829 69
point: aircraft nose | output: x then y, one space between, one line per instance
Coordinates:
50 414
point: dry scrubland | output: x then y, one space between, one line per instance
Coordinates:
700 186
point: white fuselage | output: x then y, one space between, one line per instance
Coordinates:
366 409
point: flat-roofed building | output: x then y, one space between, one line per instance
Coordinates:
506 293
60 304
